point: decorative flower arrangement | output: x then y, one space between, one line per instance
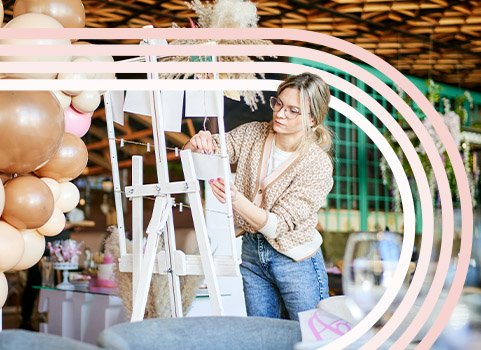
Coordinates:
223 14
453 120
66 251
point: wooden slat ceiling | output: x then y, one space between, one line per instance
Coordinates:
436 38
440 39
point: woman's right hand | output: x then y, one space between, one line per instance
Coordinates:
202 142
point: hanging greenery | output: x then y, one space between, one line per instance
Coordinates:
453 120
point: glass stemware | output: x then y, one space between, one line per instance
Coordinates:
370 261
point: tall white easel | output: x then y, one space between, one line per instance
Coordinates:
169 261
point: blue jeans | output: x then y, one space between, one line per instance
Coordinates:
275 284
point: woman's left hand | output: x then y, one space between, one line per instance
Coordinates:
218 189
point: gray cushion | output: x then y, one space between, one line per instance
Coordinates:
20 339
221 332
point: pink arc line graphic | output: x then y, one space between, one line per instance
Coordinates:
206 67
217 50
382 66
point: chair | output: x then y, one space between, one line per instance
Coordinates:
20 339
215 332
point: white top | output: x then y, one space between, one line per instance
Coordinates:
276 158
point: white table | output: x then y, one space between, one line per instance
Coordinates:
79 315
83 315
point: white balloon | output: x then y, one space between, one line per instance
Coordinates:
34 249
11 246
54 225
69 197
33 21
84 59
2 197
97 59
64 99
73 93
54 187
87 101
3 289
70 76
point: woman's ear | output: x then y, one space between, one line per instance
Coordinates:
311 122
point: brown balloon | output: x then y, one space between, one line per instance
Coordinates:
70 13
69 161
29 202
31 129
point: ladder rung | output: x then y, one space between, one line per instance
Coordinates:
224 265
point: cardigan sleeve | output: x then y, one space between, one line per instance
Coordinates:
297 207
234 140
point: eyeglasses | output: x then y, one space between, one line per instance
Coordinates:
290 112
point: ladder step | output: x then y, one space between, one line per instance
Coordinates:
186 264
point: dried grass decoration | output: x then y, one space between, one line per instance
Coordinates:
223 14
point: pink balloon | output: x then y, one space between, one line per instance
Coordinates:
77 123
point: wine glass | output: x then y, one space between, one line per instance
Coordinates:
370 261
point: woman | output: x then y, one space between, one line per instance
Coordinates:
284 174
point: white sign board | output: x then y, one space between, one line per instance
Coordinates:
138 102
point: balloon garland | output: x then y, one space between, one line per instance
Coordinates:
41 150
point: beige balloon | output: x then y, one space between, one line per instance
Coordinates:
54 187
65 100
2 197
81 60
32 21
11 246
70 13
3 287
69 161
71 76
69 197
1 21
86 102
76 76
97 59
34 249
54 225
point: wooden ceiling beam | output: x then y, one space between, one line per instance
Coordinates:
473 20
100 160
436 44
99 133
146 9
442 2
445 26
148 159
463 9
175 137
451 21
370 15
407 13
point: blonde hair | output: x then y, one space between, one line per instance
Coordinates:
314 93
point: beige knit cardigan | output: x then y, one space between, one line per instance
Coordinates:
294 192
